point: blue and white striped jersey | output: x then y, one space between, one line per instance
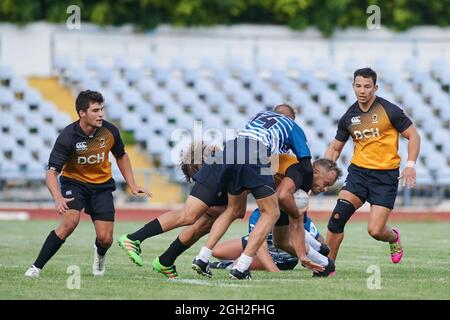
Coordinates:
278 133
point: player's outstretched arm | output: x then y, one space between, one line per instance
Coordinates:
408 174
334 150
124 165
297 236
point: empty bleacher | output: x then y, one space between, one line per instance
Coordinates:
153 100
159 102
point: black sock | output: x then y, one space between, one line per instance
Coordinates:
101 250
175 249
50 247
151 229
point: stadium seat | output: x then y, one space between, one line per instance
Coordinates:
9 170
161 75
6 99
443 176
105 75
150 63
21 156
92 63
175 86
114 110
133 75
220 75
61 120
61 64
423 176
159 98
6 74
18 85
121 63
130 121
118 86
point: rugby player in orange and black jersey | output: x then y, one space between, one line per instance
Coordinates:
83 162
374 125
81 155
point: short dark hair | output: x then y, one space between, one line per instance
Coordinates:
87 97
285 110
329 165
365 73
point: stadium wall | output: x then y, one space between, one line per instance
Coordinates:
30 49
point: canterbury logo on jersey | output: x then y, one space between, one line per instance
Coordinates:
356 120
93 159
366 133
80 146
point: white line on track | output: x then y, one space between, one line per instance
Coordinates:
14 216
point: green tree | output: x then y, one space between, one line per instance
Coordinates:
326 15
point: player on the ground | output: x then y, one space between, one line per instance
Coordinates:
269 257
374 125
323 178
192 159
242 167
278 134
81 155
325 174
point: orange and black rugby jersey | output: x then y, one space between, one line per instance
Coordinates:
285 160
374 133
86 158
287 165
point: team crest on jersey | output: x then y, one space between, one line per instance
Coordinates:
81 146
102 142
374 118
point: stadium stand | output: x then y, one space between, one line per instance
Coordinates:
151 100
33 112
29 127
154 102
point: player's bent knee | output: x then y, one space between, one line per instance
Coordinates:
375 233
239 213
238 210
274 214
341 214
105 239
105 242
188 218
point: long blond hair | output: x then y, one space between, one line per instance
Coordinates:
192 158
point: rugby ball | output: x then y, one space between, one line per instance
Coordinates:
301 199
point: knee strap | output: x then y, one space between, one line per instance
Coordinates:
341 214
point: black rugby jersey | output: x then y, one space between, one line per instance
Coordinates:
86 158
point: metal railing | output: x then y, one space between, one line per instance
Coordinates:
27 189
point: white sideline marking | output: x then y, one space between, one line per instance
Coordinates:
279 280
14 215
208 283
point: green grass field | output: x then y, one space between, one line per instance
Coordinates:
424 272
